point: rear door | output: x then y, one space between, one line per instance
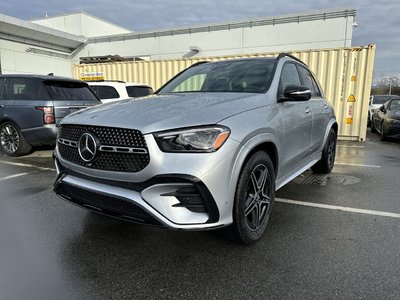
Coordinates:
69 97
321 110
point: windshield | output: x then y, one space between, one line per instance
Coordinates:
382 99
395 104
244 76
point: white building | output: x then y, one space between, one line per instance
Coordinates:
54 44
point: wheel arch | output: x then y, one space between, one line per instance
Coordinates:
264 142
5 120
332 124
267 147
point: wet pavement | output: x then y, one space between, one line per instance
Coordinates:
50 249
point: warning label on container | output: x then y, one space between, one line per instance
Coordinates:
351 98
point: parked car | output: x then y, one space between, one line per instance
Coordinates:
375 102
109 91
32 106
386 119
207 150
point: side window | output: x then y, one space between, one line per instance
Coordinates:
24 89
289 76
309 81
106 92
139 91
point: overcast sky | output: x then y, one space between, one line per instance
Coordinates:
378 20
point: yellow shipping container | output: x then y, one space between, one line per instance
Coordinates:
344 73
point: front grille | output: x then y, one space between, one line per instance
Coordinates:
110 205
115 159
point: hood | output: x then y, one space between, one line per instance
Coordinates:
163 112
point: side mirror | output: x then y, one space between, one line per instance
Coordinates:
297 93
382 108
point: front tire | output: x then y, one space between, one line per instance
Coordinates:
373 129
12 142
325 165
254 198
382 133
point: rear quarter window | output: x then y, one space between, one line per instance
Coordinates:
24 89
139 91
104 92
65 90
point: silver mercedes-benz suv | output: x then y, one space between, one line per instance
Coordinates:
207 150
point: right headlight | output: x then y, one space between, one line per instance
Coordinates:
198 139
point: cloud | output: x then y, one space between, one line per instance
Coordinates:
377 21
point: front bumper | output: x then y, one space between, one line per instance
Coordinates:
178 191
391 129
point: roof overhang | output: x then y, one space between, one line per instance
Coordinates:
21 31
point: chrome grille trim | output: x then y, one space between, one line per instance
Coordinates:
107 148
68 142
118 149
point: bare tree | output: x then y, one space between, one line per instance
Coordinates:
387 85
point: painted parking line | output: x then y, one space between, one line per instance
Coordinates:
26 165
341 208
12 176
357 165
349 146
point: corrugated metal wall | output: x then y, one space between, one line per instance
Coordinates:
344 73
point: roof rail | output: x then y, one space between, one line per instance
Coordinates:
284 54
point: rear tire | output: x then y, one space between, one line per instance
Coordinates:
254 199
327 161
12 142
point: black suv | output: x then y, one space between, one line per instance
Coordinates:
32 106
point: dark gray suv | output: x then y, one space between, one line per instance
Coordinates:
32 106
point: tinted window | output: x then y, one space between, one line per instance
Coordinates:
309 81
395 104
24 89
382 99
139 91
289 76
105 92
251 76
65 90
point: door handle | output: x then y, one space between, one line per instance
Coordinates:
326 106
1 105
308 110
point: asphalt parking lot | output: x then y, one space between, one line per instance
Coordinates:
331 236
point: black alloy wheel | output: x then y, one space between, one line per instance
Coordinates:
327 161
373 129
254 199
11 141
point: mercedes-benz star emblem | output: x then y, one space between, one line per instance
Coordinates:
87 147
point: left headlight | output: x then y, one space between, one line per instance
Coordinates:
199 139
